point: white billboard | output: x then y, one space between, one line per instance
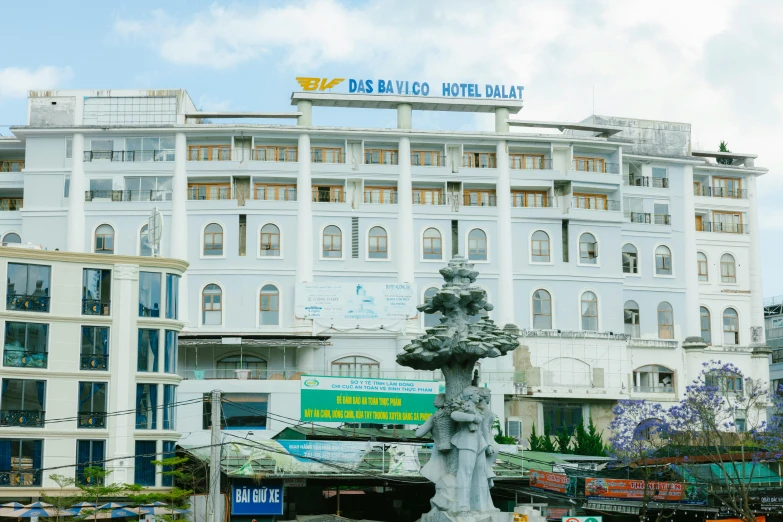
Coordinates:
356 300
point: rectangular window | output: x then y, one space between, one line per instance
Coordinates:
429 196
267 192
20 462
209 152
68 148
559 415
240 411
661 213
169 452
522 198
590 201
25 345
586 164
209 191
269 153
380 195
89 454
96 291
169 406
426 158
28 287
148 188
479 160
144 469
23 403
526 161
147 360
380 157
149 294
172 296
94 348
479 198
660 177
170 362
328 194
67 187
727 222
326 155
146 406
727 187
92 405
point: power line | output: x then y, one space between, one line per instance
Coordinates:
120 412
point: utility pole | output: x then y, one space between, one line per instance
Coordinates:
214 459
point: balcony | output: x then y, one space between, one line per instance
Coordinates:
20 479
426 158
277 154
519 200
95 362
652 343
11 165
595 165
381 157
23 418
661 388
27 303
9 204
282 194
479 160
645 181
485 200
286 374
326 196
528 163
209 153
428 198
129 155
728 228
127 195
720 192
385 197
202 193
91 420
650 219
596 204
326 155
24 359
95 307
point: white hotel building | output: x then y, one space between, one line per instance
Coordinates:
607 242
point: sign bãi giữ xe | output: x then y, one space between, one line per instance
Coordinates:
368 401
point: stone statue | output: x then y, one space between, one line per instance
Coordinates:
464 450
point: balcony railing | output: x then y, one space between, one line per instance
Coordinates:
728 228
595 166
644 217
720 192
279 155
517 200
381 157
210 154
11 165
575 334
652 343
474 200
24 359
27 303
529 163
323 197
26 418
434 198
216 193
95 307
388 198
128 195
20 479
129 155
91 420
96 362
428 159
288 194
599 204
11 203
645 181
654 389
281 374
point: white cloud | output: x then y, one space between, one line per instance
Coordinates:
15 82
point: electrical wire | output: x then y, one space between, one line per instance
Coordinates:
121 412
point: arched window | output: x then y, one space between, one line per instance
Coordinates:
589 312
663 260
226 366
269 243
701 264
542 310
730 326
630 259
477 245
145 249
653 379
431 319
104 239
12 238
356 367
332 242
213 240
539 247
728 269
432 244
377 243
631 318
705 322
726 382
269 306
212 306
665 321
588 249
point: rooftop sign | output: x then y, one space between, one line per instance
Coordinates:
416 88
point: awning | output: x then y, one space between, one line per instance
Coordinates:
747 472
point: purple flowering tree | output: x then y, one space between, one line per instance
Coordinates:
720 428
639 432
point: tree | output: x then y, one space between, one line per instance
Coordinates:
534 440
93 486
546 440
500 438
720 425
724 147
65 498
563 440
588 442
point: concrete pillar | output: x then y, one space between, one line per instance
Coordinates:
756 295
501 119
404 116
406 239
306 108
75 236
691 323
304 215
178 235
505 303
693 357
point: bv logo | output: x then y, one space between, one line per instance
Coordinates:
311 382
318 84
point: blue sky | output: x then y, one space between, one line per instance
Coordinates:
713 63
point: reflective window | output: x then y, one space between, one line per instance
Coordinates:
147 350
28 287
432 245
269 242
630 259
26 345
239 411
145 248
12 238
170 359
149 294
96 291
169 407
589 312
377 243
332 242
89 454
104 239
269 306
143 468
146 406
477 245
92 405
539 247
212 305
94 353
172 296
213 240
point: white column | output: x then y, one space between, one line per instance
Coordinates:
505 303
178 235
304 217
75 238
406 238
691 326
756 296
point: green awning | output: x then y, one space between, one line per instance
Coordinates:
747 472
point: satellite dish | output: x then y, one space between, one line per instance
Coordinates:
154 229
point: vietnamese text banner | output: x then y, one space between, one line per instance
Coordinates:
356 300
557 482
596 488
254 499
373 401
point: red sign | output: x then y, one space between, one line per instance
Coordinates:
634 489
555 513
550 481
